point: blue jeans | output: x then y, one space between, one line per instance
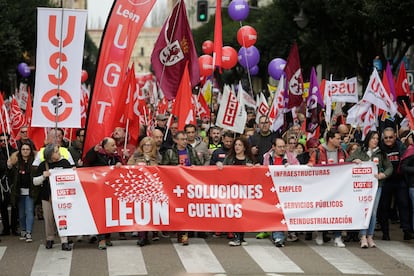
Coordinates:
26 213
411 193
278 235
373 220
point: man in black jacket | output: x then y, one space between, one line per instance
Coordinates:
394 186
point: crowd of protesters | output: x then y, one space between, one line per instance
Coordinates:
24 171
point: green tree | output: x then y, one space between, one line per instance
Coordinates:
343 36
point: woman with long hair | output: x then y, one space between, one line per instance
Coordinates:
239 154
23 192
370 151
145 155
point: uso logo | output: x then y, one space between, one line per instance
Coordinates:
64 206
367 170
65 178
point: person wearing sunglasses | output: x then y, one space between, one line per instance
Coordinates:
394 187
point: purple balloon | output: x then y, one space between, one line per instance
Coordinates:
276 68
248 57
26 72
238 10
23 69
254 70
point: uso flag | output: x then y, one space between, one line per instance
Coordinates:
60 39
174 47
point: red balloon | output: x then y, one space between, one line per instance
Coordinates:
228 57
84 76
246 36
206 65
208 47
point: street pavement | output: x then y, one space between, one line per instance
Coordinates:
211 256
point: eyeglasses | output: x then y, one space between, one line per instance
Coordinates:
388 137
2 141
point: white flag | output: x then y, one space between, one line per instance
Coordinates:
245 98
376 94
60 37
277 111
356 114
231 114
262 107
368 123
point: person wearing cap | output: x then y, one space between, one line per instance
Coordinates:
161 124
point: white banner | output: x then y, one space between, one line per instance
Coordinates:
58 67
327 197
343 91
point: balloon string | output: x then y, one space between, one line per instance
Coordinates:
247 62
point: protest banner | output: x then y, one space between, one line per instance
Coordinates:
236 198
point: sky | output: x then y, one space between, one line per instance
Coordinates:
98 11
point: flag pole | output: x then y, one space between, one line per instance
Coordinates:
56 103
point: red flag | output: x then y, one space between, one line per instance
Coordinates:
37 134
17 119
173 49
162 106
203 111
294 77
84 104
28 113
125 111
409 116
124 24
402 89
183 107
218 37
